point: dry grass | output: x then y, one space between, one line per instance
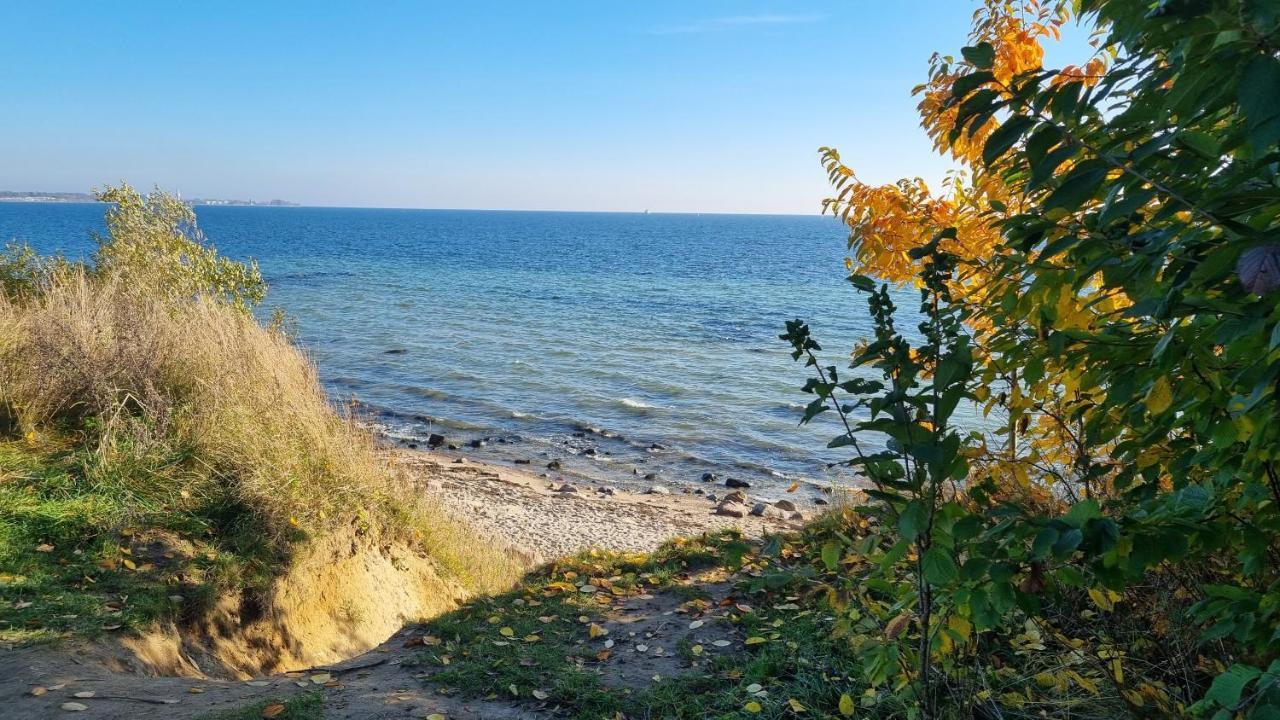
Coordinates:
201 405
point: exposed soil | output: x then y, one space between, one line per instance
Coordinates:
644 638
342 602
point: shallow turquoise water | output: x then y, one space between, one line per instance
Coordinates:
650 340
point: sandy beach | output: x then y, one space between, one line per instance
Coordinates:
544 519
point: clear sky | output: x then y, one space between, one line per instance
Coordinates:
684 106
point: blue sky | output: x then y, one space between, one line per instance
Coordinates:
687 106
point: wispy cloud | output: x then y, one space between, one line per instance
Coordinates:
732 21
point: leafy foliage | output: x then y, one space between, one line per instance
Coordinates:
154 240
1113 234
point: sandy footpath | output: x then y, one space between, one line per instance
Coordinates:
537 516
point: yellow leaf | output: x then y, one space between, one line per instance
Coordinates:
794 486
1101 599
436 716
796 705
755 640
507 632
752 707
1089 686
1159 397
596 631
846 705
272 710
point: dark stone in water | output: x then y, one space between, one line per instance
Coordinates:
656 446
478 443
452 446
736 483
422 419
651 476
413 446
435 440
589 451
395 351
821 501
708 477
554 465
522 461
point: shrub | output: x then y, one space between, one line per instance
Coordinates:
1114 239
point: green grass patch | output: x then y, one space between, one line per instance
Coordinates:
306 706
83 552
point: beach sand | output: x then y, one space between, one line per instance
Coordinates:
534 516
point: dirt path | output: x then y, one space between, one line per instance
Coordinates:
373 685
643 633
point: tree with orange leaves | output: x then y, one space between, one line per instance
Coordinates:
1103 271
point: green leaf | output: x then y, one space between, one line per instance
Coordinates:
1005 137
1078 187
1082 512
966 84
862 282
1259 93
831 553
1227 687
981 56
939 568
1067 542
1044 540
913 519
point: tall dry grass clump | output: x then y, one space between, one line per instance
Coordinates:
180 401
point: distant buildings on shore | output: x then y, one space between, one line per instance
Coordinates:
63 197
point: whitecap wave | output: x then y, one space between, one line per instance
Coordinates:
637 405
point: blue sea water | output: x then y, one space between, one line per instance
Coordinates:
624 345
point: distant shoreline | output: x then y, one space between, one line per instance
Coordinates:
32 196
84 198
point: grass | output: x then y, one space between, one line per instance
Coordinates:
79 560
305 706
538 637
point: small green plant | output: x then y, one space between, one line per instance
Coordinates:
304 706
910 403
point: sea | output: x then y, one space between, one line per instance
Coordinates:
628 349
